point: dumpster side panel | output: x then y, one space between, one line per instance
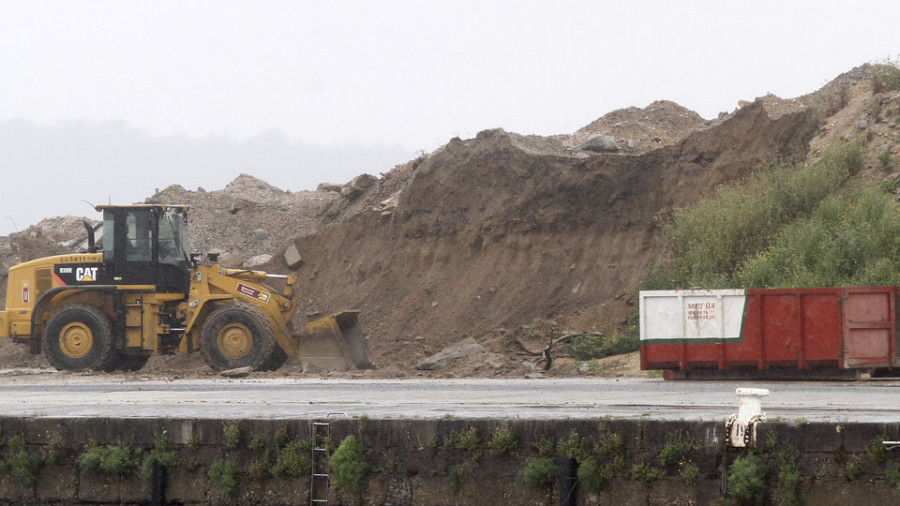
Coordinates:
869 327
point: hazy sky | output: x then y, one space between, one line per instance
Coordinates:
209 89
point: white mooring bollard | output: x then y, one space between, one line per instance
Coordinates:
740 429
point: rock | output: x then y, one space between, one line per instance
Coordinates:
260 234
292 256
534 375
257 260
358 185
584 368
862 124
240 372
230 261
439 360
630 144
329 187
600 143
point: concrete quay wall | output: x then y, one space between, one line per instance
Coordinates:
443 461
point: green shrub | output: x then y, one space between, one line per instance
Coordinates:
293 460
282 434
854 469
544 446
747 479
464 440
887 77
503 440
21 462
194 441
676 448
259 468
876 450
457 473
789 480
258 442
349 465
609 443
709 244
224 474
892 473
162 454
646 472
572 447
690 473
538 473
593 476
232 435
111 459
590 347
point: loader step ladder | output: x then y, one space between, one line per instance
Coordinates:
320 482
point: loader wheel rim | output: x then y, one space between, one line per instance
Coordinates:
234 341
76 340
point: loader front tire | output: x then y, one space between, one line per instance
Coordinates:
79 337
236 335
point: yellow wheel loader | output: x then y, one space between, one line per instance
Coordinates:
143 294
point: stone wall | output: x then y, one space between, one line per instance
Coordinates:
447 461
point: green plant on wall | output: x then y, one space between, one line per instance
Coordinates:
747 480
258 442
21 462
115 459
593 476
875 450
162 454
538 473
854 469
349 466
224 474
457 473
464 440
644 471
232 435
676 448
293 460
573 447
503 440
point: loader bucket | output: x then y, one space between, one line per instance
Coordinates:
335 341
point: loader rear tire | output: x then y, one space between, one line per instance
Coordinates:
129 363
275 360
79 337
236 335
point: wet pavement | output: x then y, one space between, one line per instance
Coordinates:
57 395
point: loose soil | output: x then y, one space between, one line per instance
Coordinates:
487 234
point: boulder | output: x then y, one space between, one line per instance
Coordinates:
600 143
461 349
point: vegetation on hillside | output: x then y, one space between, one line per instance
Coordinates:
803 225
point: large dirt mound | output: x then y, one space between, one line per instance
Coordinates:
489 233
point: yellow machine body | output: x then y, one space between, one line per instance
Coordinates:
85 311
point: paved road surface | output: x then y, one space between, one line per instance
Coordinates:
84 396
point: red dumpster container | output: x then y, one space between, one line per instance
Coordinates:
800 329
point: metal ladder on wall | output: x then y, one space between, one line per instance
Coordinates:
320 434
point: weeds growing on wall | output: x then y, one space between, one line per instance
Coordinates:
293 460
115 459
162 454
224 474
538 473
349 466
